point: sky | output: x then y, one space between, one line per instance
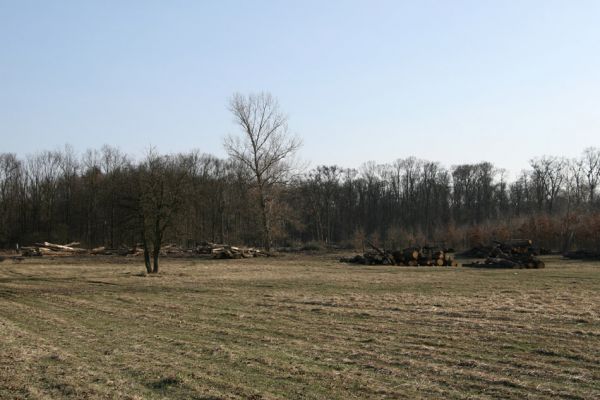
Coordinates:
449 81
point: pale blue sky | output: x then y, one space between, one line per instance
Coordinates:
451 81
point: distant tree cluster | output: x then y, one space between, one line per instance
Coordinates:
414 201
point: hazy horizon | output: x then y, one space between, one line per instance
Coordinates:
457 82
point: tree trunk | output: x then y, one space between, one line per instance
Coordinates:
155 255
221 224
157 244
265 220
146 252
147 259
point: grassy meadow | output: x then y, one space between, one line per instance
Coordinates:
296 327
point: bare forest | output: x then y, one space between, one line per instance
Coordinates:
105 197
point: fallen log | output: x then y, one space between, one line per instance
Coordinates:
59 247
29 251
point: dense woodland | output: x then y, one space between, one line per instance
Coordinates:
105 197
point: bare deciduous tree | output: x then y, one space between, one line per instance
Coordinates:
591 161
11 176
265 147
162 185
548 176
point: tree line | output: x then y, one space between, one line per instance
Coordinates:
104 197
258 196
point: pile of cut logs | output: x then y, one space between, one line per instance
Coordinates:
51 249
224 251
171 250
517 253
410 257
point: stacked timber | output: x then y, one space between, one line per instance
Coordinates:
222 251
409 257
207 247
225 251
30 251
230 252
66 248
52 249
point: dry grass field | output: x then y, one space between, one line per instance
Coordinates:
296 327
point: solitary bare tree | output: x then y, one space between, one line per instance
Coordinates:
162 185
266 147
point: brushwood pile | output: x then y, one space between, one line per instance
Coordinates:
516 253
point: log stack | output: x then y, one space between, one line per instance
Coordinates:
225 251
66 248
207 247
30 251
233 252
409 257
52 249
221 251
